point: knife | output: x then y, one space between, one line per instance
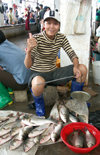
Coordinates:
55 80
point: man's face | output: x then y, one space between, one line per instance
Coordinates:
51 27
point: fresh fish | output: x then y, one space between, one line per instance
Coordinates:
15 143
12 119
47 134
72 112
76 139
90 139
64 113
5 138
28 144
6 128
81 118
72 118
38 130
54 114
37 139
55 135
16 128
36 121
23 134
2 119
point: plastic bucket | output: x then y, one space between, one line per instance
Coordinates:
96 72
96 55
68 129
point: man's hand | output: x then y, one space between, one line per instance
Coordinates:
77 72
31 43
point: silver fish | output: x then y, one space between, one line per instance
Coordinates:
38 130
72 118
81 118
13 118
5 138
76 139
29 143
64 113
90 139
16 128
15 143
55 135
47 134
3 119
23 134
54 114
36 121
6 128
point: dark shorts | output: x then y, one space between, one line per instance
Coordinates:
61 72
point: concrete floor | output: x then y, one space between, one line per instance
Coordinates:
58 148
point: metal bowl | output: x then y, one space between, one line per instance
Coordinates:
80 95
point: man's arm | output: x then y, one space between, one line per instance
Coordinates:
76 70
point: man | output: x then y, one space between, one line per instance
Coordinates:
42 50
10 16
41 7
13 72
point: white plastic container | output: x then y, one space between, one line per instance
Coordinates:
96 72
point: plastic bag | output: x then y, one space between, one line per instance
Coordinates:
4 96
94 119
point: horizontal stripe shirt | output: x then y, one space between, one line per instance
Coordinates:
44 55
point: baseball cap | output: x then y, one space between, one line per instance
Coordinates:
52 14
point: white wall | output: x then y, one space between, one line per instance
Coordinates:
79 42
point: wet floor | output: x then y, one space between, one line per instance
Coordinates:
59 148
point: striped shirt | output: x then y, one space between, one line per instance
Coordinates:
44 55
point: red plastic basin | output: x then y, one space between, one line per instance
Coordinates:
68 129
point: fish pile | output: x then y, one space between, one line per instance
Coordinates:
31 130
81 138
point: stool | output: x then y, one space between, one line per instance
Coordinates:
20 95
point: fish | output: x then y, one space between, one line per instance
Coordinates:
54 113
28 144
72 118
90 139
2 119
23 133
47 134
6 128
11 120
64 113
36 121
76 139
16 128
38 130
5 138
55 135
81 118
15 143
